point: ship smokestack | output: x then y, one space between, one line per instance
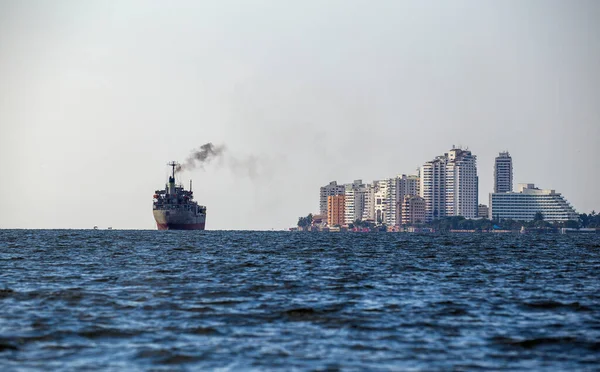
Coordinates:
173 165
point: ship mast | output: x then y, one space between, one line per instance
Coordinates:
173 164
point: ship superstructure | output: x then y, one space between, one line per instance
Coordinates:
175 209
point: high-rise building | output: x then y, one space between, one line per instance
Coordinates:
329 190
433 188
525 204
449 185
369 202
405 185
335 210
413 210
355 201
503 173
461 184
380 201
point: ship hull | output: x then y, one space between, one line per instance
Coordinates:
180 226
179 220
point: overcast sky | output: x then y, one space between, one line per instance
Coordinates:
97 96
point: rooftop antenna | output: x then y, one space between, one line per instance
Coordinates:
190 185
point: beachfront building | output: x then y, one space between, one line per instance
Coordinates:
335 210
529 200
329 190
503 173
432 188
483 211
390 202
413 210
355 201
404 185
449 185
461 184
380 201
369 202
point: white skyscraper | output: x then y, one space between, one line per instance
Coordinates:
433 188
380 201
449 185
369 202
390 202
354 201
461 184
503 173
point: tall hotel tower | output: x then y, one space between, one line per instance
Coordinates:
503 173
462 184
449 185
432 188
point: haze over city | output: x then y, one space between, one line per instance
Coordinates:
97 96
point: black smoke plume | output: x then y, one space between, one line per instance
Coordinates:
203 155
252 166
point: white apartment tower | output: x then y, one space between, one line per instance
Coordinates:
449 185
432 188
329 190
390 202
354 201
380 199
503 173
461 184
369 202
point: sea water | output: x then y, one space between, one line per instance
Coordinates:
204 300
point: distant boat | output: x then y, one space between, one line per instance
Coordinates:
109 228
95 227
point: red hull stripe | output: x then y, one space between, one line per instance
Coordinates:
180 226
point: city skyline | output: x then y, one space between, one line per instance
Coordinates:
502 175
447 186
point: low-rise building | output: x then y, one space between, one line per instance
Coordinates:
319 220
527 202
483 211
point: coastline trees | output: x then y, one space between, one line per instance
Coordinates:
305 221
591 220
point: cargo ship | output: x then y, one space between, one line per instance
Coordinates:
175 209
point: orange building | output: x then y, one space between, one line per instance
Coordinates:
335 210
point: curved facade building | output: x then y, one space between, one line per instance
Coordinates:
523 205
